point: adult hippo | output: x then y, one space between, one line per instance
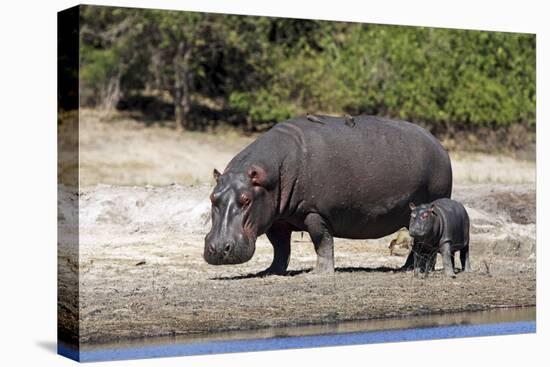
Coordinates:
326 176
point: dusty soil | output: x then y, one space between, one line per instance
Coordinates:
141 239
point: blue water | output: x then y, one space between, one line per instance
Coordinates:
276 343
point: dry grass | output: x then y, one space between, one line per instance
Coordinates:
119 150
486 168
123 151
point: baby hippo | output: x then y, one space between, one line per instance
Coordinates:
443 226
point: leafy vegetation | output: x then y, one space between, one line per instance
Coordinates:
264 70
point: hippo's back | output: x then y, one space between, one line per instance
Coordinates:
365 174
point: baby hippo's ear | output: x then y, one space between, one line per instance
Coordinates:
412 206
216 174
432 209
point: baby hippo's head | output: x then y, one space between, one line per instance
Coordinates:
422 220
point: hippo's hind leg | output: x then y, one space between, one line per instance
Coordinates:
465 250
279 236
323 242
465 258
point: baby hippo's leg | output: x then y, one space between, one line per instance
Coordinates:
429 262
445 249
424 258
418 256
433 260
465 258
416 265
453 260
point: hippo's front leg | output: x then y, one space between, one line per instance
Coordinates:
322 240
279 236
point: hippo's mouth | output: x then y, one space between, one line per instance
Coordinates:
239 254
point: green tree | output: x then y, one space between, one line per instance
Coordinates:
265 70
108 52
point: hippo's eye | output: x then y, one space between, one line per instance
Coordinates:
244 199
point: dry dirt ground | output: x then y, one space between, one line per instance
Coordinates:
144 211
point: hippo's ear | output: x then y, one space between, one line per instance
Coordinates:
432 209
216 174
412 206
258 176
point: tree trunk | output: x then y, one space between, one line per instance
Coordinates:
182 87
110 94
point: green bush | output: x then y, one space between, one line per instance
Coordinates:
269 69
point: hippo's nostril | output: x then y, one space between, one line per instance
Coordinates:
211 248
227 248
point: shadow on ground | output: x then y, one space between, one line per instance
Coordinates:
291 273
